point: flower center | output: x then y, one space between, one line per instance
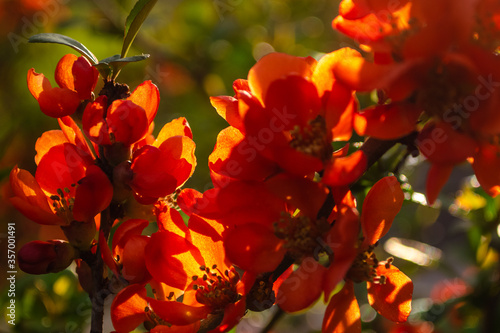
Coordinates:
364 267
443 96
302 236
261 296
216 289
63 203
312 140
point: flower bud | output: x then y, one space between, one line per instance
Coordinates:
38 257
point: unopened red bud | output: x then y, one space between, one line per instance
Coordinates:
39 257
80 234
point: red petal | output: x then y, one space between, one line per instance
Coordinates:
37 83
147 96
94 125
134 267
64 72
93 194
77 74
127 309
60 167
345 170
342 313
74 135
206 235
295 96
227 108
440 143
106 255
392 299
353 9
127 121
48 140
387 122
381 205
254 248
336 272
244 202
58 102
159 171
29 198
169 219
275 66
189 200
235 157
233 313
181 149
86 77
342 239
358 74
176 127
303 287
301 193
169 259
192 328
177 313
339 116
486 165
131 227
150 179
436 178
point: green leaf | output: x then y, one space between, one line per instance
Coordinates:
134 22
64 40
104 69
116 59
115 63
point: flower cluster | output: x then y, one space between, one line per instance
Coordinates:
81 174
436 74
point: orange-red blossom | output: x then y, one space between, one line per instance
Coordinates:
285 118
433 71
76 78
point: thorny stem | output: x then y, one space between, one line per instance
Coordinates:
374 149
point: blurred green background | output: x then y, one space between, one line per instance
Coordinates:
198 48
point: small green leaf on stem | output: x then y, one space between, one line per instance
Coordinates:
64 40
115 63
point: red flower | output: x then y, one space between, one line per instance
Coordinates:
67 185
445 67
162 167
389 290
76 78
124 120
190 259
285 117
